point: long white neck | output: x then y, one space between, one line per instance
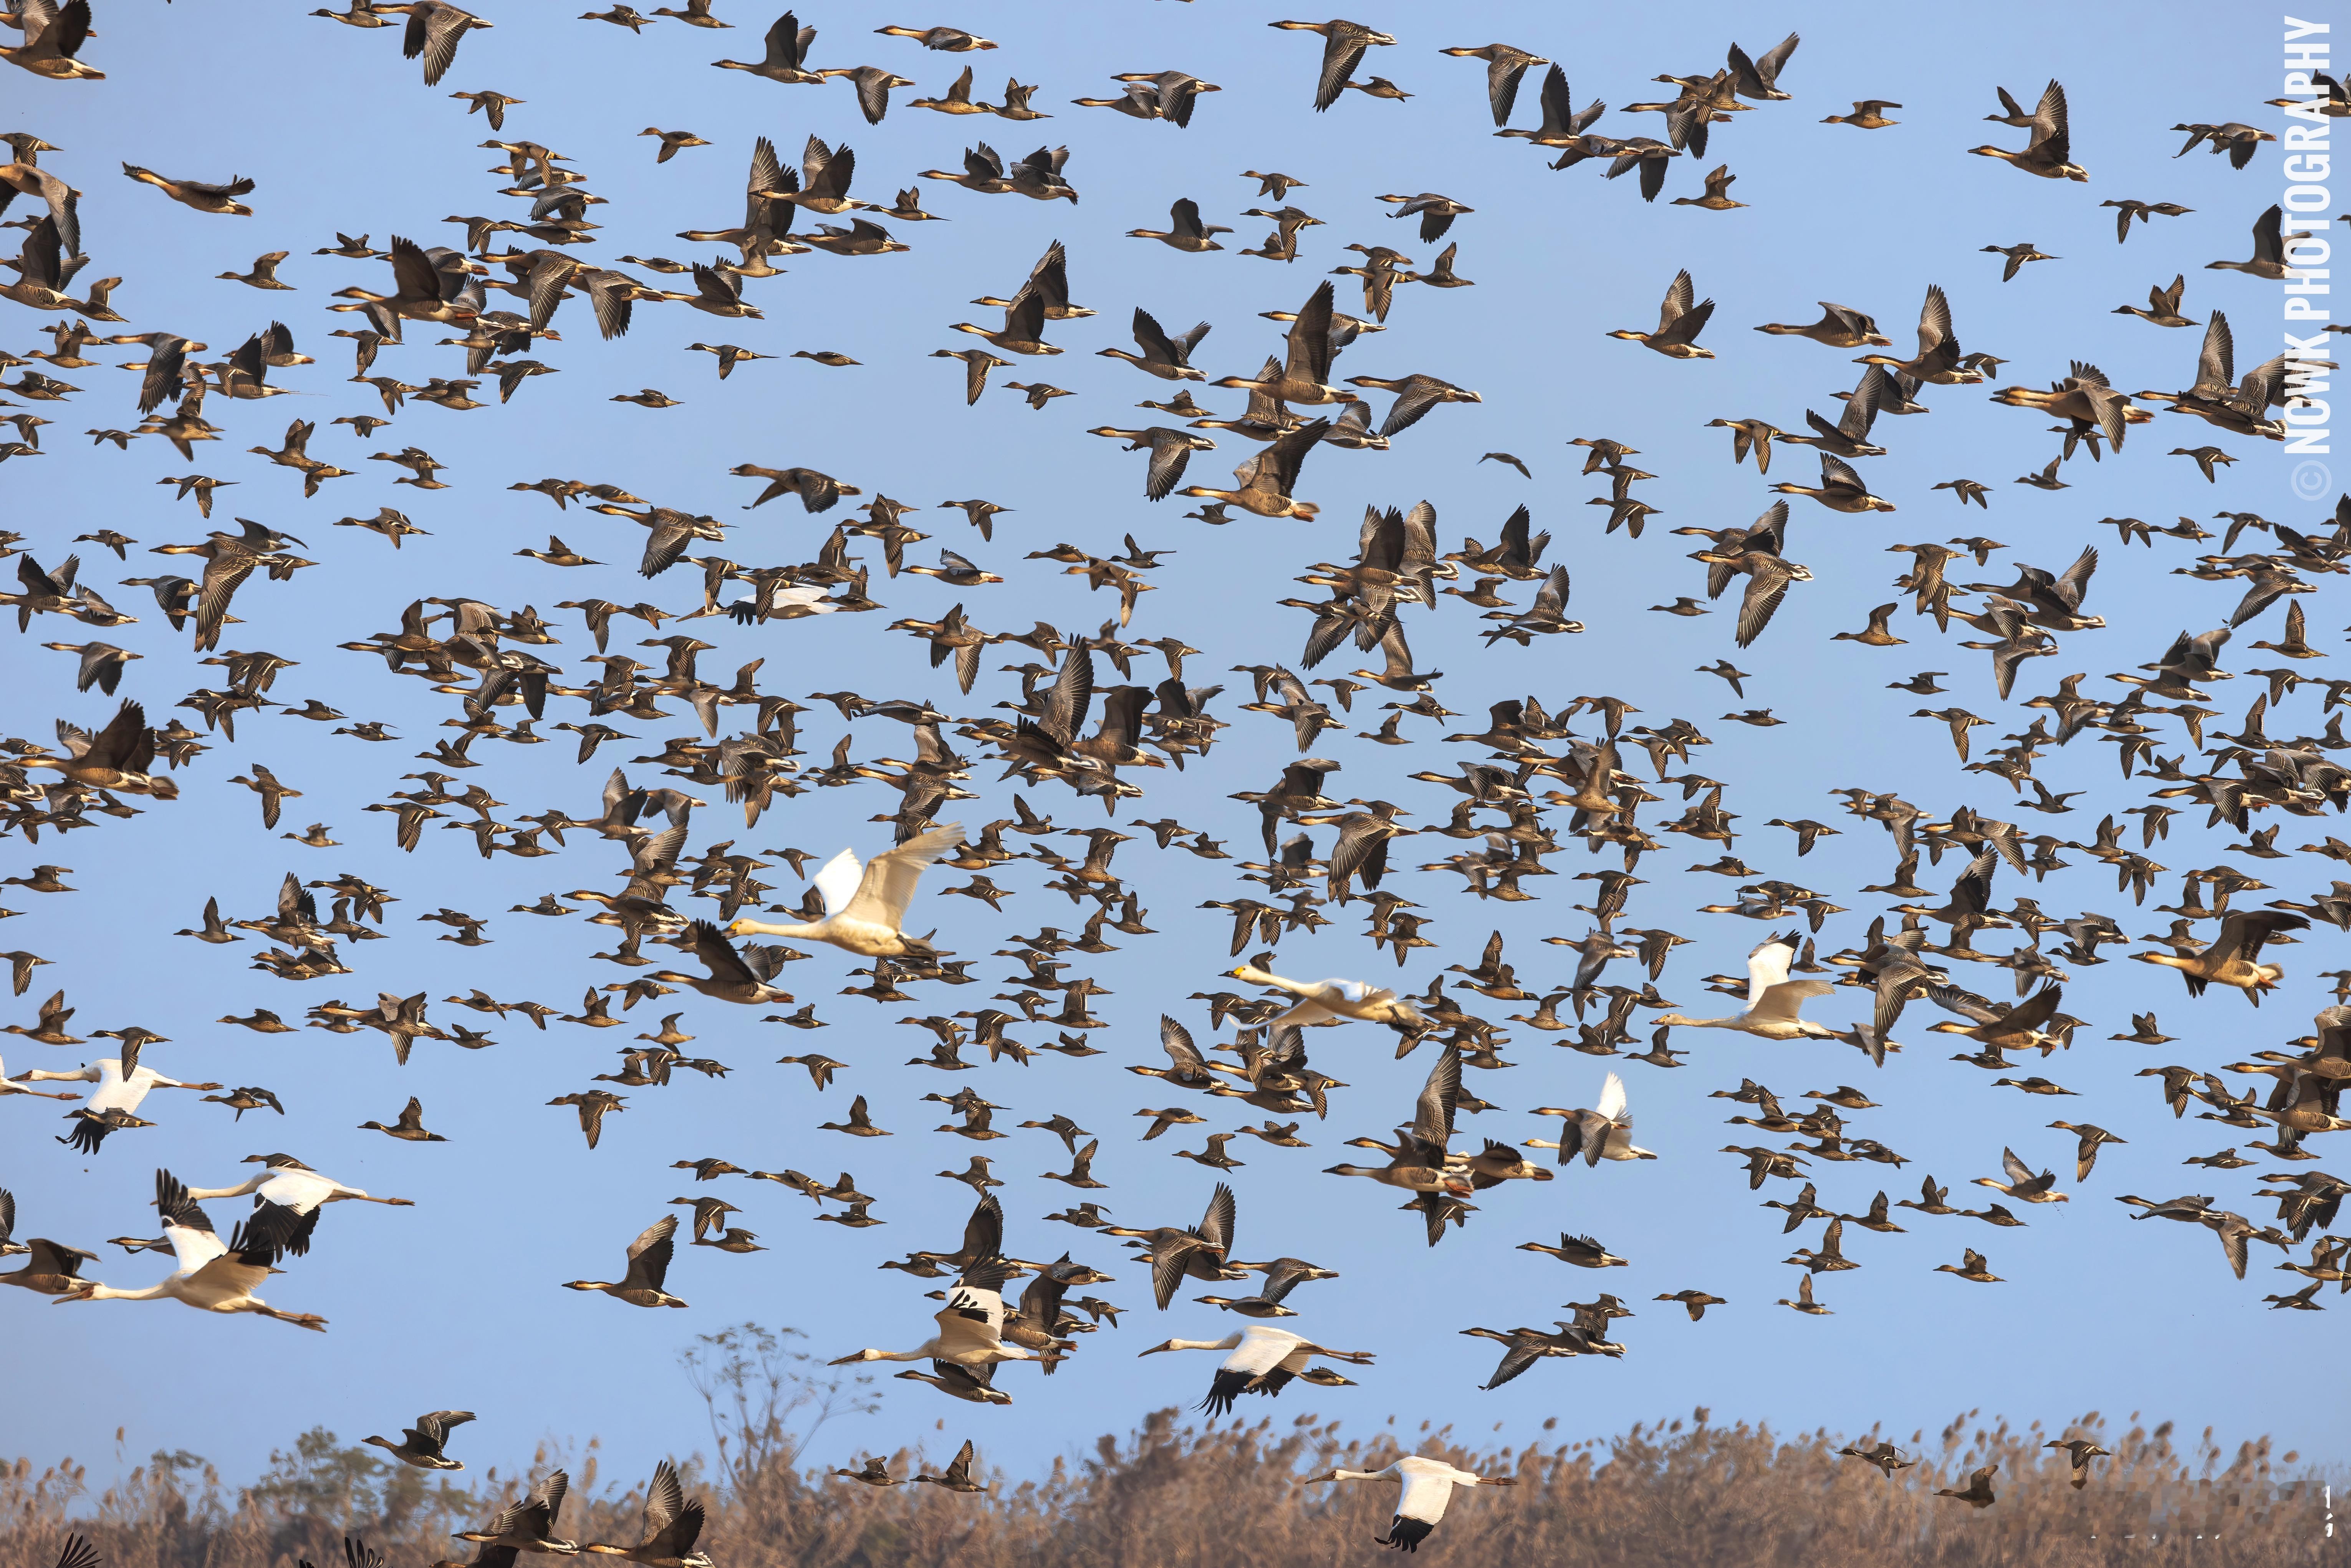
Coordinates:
811 933
253 1185
109 1293
80 1075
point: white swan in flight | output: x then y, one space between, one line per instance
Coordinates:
1773 998
9 1086
1264 1360
1319 999
864 906
288 1194
1428 1486
123 1085
971 1325
212 1277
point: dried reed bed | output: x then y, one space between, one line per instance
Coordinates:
1172 1494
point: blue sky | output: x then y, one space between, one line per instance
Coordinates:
456 1301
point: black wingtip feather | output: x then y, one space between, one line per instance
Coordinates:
1406 1535
1228 1386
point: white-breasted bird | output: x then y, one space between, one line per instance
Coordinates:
1319 999
122 1085
864 906
1264 1360
288 1195
971 1325
1773 998
212 1275
1428 1486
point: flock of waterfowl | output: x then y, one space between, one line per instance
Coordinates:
1536 781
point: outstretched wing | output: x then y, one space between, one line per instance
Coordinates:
650 1254
719 955
838 881
1612 1101
1782 1000
1767 966
436 1424
889 882
1177 1041
983 1233
1217 1226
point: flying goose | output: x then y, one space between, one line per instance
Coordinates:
1263 484
1883 1454
671 1527
1505 65
1840 489
649 1260
2234 957
1343 45
435 28
528 1525
1978 1494
2162 306
51 1267
958 1477
420 1445
1840 327
958 1382
1601 1133
734 977
2021 1183
1185 229
2049 153
1678 323
54 35
787 47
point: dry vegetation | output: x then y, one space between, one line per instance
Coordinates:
1172 1495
